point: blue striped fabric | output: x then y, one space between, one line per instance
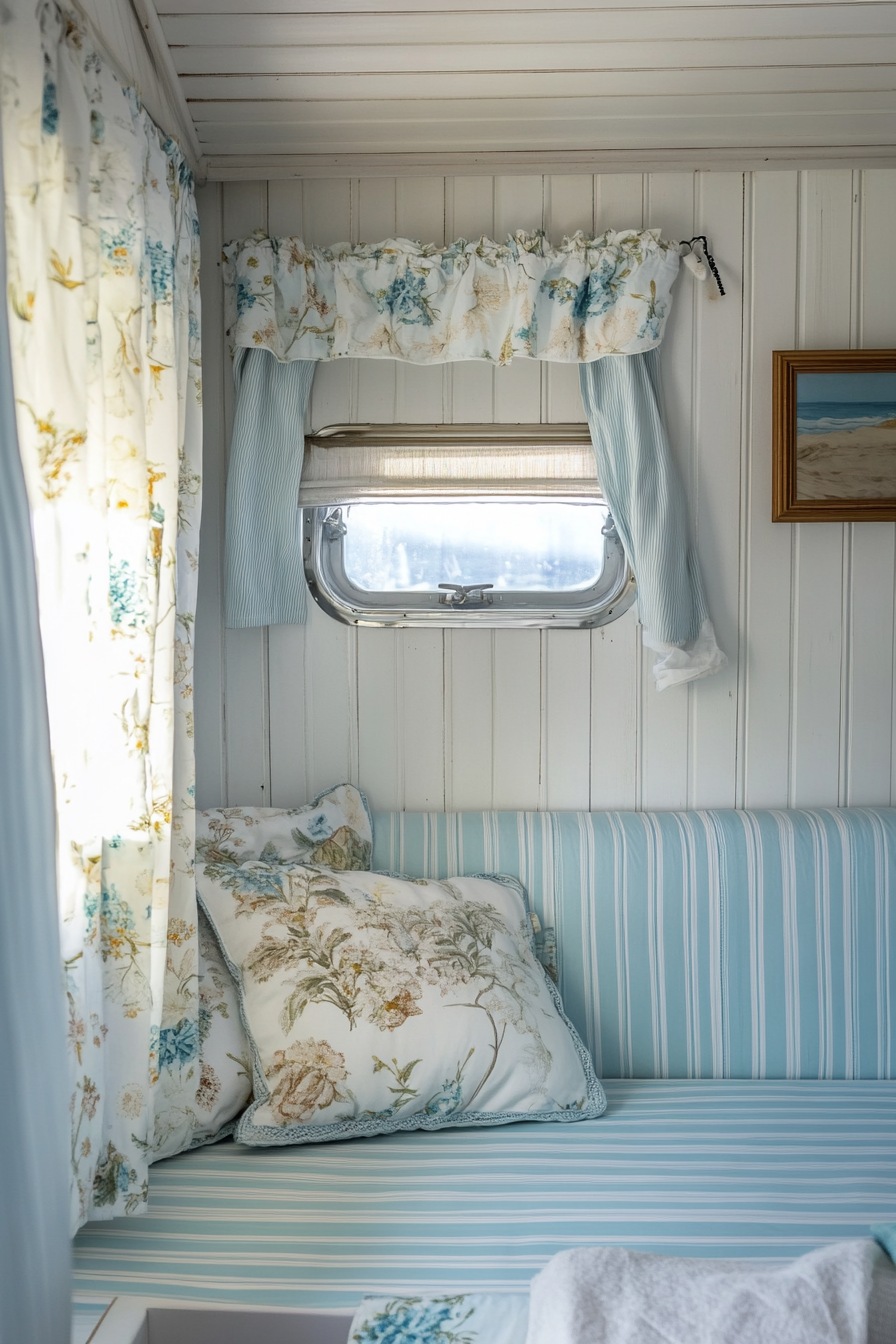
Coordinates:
265 579
699 944
752 1169
87 1312
623 406
34 1121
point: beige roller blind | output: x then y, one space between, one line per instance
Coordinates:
351 463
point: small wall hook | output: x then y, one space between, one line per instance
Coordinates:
694 263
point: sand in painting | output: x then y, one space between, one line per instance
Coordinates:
847 463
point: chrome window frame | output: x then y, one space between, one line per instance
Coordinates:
322 551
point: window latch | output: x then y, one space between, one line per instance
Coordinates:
458 594
334 527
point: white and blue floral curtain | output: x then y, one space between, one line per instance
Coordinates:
103 257
400 299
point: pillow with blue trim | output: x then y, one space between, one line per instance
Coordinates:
374 1003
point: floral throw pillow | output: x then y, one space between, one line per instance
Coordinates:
375 1004
334 829
225 1086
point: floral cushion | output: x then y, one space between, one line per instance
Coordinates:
334 829
225 1084
375 1003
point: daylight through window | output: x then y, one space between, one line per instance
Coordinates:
471 525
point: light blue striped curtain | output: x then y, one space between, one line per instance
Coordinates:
623 404
34 1122
265 582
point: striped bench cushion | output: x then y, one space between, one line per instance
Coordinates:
698 944
752 1169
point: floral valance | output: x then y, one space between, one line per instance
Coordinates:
588 297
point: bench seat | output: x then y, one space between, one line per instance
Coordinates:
731 1168
733 975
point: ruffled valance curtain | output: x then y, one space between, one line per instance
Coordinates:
400 299
588 301
103 256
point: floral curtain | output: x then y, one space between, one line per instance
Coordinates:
103 256
398 299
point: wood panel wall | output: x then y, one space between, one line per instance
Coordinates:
570 719
297 84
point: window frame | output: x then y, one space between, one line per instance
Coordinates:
330 484
323 548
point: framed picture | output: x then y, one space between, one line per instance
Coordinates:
833 435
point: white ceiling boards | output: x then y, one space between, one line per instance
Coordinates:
320 87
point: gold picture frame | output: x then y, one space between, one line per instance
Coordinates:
839 467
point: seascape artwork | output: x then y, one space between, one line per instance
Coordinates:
846 435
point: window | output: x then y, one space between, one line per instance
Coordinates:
465 525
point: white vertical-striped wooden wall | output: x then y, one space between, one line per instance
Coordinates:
569 719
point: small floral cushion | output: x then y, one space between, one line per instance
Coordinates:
225 1086
375 1003
334 829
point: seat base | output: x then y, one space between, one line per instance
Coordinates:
703 1168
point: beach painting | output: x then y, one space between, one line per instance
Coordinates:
846 435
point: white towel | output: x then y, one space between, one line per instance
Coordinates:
593 1296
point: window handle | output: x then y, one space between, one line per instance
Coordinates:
458 594
334 527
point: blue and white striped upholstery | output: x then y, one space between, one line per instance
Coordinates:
729 1168
699 944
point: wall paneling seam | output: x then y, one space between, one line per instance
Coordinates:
745 476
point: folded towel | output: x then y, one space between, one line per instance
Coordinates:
882 1304
885 1235
594 1296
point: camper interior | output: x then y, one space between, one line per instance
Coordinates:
467 815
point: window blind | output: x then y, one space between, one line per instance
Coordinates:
353 463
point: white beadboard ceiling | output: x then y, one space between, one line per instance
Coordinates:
300 87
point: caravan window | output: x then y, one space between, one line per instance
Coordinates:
460 525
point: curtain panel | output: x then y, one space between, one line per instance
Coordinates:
35 1254
264 571
624 405
103 256
399 299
